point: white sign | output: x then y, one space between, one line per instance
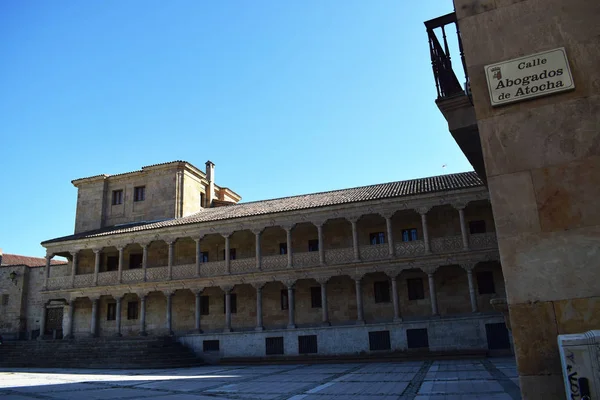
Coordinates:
535 75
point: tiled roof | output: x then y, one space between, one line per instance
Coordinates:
15 259
131 172
433 184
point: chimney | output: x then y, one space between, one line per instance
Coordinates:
210 176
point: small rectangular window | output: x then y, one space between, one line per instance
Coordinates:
284 299
379 340
417 338
210 345
377 238
139 193
204 305
233 304
231 254
315 297
202 200
112 263
274 345
477 227
485 282
415 289
135 261
204 255
4 299
409 235
117 197
282 248
307 344
381 291
132 310
313 245
111 311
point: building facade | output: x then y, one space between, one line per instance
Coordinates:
392 267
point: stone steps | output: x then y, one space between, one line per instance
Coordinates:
162 352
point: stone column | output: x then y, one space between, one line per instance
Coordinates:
324 309
42 322
463 227
198 255
198 294
291 313
94 318
423 211
121 259
321 244
395 298
360 319
142 314
47 270
288 232
68 329
227 290
257 233
390 235
169 325
96 265
259 317
171 259
227 253
432 295
145 260
73 267
118 315
355 239
472 296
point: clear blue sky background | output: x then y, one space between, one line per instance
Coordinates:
285 97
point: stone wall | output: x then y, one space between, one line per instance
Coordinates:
542 160
13 295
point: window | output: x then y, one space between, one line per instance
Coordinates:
381 291
4 299
135 261
415 289
132 310
307 344
282 248
408 235
274 345
210 345
377 238
315 297
204 256
111 311
202 200
231 254
112 263
417 338
117 197
284 299
313 245
379 340
139 193
477 226
233 297
485 282
204 305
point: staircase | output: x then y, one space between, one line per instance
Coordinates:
161 352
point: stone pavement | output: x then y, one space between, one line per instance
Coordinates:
494 378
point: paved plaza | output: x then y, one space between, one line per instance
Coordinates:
493 378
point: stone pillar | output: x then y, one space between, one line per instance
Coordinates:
97 255
198 294
423 211
73 267
94 318
118 315
324 309
198 255
70 312
291 306
143 314
47 270
145 260
360 319
390 235
288 232
227 290
42 322
321 244
355 239
227 253
169 325
395 298
472 296
121 259
259 317
432 295
463 227
171 258
257 233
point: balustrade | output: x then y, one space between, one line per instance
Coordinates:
483 241
306 259
59 282
409 249
157 274
133 275
374 252
243 265
271 263
213 268
84 280
447 244
184 271
339 256
107 278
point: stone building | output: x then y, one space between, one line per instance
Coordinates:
392 266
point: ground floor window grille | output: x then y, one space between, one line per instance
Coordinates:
307 344
417 338
379 340
274 345
210 345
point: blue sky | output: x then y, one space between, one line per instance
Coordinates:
285 97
